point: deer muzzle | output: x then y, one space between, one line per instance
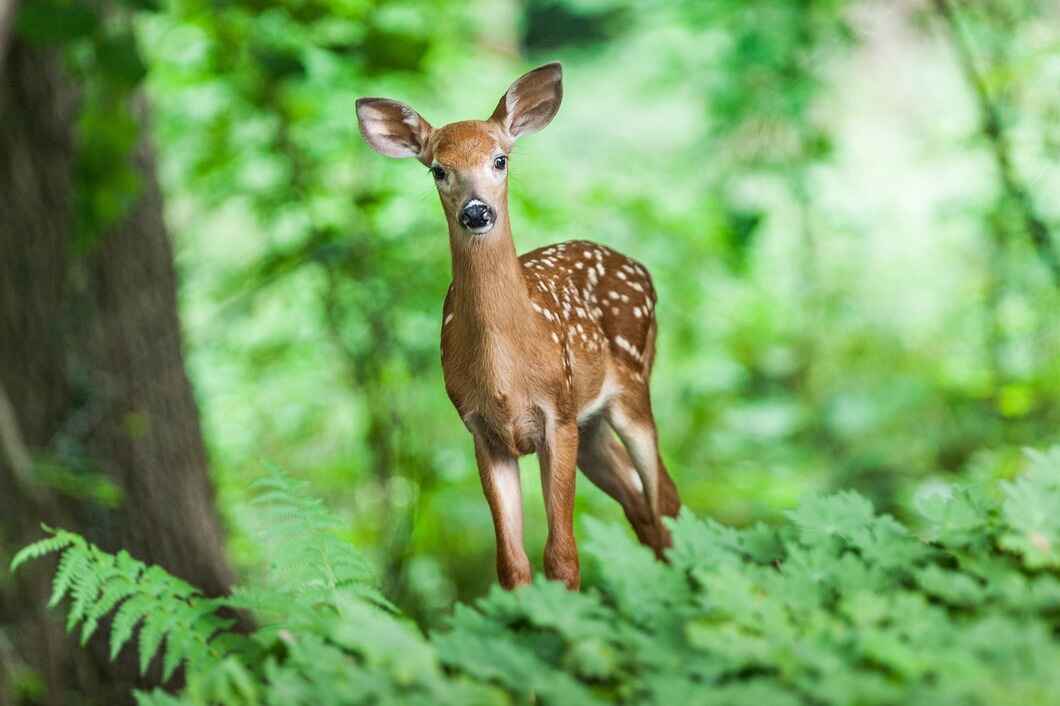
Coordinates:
477 217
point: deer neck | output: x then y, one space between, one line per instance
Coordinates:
489 292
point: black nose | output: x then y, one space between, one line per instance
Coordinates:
476 215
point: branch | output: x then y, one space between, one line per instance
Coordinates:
993 130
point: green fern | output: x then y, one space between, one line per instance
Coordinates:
59 539
162 606
308 565
838 606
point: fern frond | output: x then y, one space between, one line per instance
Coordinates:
59 540
156 625
86 588
126 619
308 561
74 562
178 645
114 591
174 619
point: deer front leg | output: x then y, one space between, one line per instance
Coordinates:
558 457
499 472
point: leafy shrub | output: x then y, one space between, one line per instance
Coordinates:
838 606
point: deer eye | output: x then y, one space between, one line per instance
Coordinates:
500 162
438 173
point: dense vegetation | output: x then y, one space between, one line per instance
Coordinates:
839 605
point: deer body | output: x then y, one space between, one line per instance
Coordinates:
565 327
550 352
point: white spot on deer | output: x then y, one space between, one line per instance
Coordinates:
627 347
625 298
600 269
620 274
579 265
588 255
636 286
555 337
447 320
613 295
636 311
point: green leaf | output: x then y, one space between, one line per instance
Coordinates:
1031 512
60 541
126 619
844 516
157 623
74 561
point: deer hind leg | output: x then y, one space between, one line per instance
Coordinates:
630 416
606 463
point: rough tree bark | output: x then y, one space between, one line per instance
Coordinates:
92 378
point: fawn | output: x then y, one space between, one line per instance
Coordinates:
550 351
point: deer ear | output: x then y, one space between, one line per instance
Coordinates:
393 128
531 102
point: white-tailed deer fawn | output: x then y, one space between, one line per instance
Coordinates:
548 352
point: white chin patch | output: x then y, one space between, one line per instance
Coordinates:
480 231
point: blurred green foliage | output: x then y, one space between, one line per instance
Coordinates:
850 296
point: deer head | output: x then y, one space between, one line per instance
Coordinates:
468 160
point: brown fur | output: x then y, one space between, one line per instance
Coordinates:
461 145
550 352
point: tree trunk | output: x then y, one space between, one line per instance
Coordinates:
91 365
